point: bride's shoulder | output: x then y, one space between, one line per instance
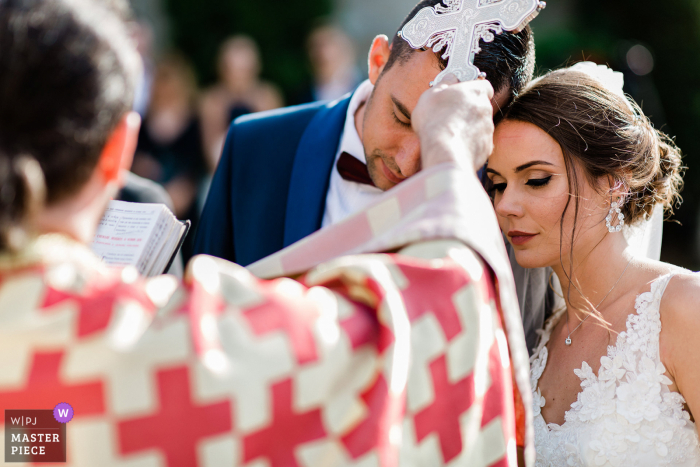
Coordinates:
680 304
682 291
680 327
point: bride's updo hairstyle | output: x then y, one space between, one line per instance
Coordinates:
606 135
68 71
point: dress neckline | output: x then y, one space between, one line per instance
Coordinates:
540 356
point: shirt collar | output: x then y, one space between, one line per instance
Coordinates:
351 142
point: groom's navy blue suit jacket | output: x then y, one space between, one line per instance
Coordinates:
269 189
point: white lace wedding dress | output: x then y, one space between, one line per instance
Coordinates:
626 415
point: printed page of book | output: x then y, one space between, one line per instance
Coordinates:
124 232
176 229
155 242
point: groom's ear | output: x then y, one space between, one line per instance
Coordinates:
378 57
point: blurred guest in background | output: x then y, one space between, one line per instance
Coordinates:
170 150
239 91
332 55
142 32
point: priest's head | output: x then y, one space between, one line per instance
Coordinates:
68 71
401 75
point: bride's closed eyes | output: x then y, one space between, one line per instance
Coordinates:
539 182
535 183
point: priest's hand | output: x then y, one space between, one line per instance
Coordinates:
454 122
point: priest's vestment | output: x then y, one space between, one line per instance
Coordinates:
413 358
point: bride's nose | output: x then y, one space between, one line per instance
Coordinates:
509 204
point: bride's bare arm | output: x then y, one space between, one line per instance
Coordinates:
679 341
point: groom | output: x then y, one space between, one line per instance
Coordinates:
279 178
285 174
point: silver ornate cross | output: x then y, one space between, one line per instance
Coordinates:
460 25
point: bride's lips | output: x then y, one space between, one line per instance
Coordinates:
520 238
390 175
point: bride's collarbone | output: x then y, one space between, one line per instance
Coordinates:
559 384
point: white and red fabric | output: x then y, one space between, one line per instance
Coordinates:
367 360
441 202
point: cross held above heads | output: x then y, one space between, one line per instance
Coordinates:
461 24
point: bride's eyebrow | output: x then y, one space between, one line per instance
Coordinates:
521 167
530 164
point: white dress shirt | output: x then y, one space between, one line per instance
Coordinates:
344 197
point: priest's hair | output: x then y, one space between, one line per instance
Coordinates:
68 71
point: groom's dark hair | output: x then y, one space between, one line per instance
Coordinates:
508 61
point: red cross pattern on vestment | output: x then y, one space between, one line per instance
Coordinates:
383 412
442 416
288 429
499 398
431 291
97 302
295 319
363 327
178 426
44 389
202 305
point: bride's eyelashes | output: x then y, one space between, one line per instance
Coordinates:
538 182
497 187
533 182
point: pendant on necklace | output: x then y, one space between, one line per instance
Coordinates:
568 341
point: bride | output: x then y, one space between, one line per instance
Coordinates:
616 375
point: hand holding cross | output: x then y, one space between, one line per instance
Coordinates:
461 24
454 122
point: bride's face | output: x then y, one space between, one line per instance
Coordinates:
531 191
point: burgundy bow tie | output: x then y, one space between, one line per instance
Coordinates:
353 169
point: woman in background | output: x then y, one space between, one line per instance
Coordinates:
169 150
240 91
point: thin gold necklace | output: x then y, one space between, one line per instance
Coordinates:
568 338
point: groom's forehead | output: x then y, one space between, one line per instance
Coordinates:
418 69
409 78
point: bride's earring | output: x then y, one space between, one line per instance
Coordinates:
615 212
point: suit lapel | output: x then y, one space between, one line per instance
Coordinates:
311 171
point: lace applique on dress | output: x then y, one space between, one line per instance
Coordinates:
626 415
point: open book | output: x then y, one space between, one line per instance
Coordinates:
147 236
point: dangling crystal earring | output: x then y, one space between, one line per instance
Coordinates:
615 212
